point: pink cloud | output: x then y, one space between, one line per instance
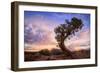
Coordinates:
47 35
82 41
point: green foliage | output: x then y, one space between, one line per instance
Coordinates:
68 29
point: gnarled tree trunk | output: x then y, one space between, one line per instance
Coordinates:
65 50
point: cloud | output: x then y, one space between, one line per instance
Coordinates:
80 41
39 31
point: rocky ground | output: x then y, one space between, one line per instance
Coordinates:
55 54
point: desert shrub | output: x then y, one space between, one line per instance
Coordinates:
45 52
56 52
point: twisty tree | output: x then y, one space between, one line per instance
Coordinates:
66 31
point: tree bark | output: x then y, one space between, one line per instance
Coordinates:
65 50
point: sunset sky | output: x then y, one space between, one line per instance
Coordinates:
39 30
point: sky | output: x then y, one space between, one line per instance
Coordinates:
39 30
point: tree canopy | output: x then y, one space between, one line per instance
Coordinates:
68 29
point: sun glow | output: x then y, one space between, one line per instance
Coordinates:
77 49
40 47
